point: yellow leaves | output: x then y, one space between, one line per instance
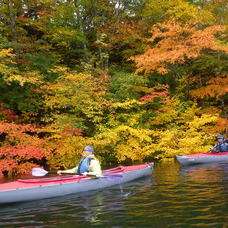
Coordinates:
58 69
5 59
11 73
174 142
67 151
6 53
176 9
184 11
75 99
189 138
32 78
71 88
63 36
128 142
181 129
126 104
198 122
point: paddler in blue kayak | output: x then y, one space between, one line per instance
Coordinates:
220 146
88 165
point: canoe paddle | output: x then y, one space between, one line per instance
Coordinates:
115 177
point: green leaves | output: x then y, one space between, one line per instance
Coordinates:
75 100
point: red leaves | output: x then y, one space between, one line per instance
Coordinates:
71 131
7 113
159 101
150 98
162 110
20 145
13 158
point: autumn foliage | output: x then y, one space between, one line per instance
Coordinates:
138 80
21 148
176 43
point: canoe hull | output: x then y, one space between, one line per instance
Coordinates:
201 158
18 191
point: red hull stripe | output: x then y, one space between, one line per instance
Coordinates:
205 155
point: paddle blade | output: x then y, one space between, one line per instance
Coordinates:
38 172
112 177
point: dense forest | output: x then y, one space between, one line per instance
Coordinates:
136 79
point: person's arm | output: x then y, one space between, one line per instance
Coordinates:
73 170
226 144
95 168
214 149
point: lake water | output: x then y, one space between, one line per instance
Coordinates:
174 196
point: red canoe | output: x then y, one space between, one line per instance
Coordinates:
202 158
41 188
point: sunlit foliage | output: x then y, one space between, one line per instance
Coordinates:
138 80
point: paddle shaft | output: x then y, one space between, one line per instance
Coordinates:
39 172
88 175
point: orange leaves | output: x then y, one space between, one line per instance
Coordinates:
222 125
174 42
13 130
216 87
7 165
22 151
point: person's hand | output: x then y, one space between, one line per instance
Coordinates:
59 172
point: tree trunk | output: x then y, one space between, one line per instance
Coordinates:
12 24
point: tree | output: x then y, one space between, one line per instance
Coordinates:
174 44
75 100
20 146
164 10
219 9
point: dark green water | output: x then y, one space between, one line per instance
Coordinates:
173 196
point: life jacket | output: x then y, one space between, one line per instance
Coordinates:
222 147
84 164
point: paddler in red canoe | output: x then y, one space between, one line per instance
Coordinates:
88 165
220 146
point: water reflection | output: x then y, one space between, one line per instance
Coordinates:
94 207
211 172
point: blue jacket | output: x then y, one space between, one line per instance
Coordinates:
220 147
89 164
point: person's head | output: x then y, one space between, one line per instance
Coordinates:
219 138
88 150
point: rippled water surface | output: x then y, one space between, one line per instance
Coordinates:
174 196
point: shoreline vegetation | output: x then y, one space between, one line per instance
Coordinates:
138 80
